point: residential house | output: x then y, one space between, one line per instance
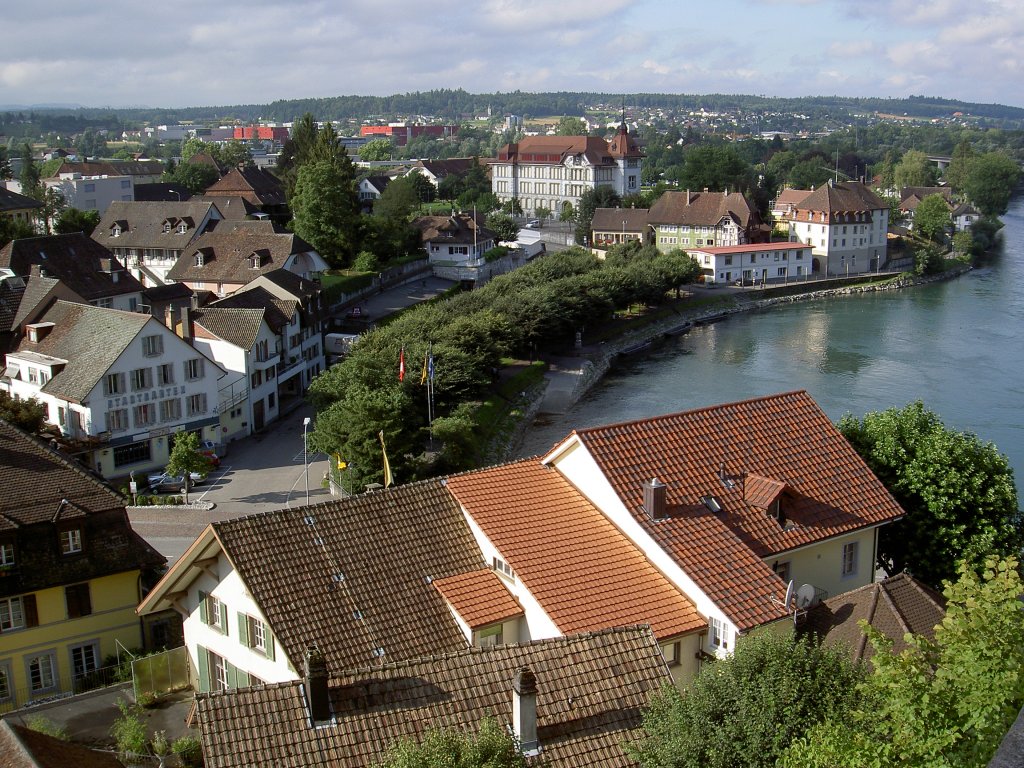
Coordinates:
846 224
233 208
18 207
458 240
896 606
574 701
784 208
149 238
754 262
38 294
83 265
230 254
352 576
435 171
964 215
92 193
140 171
118 385
25 748
12 289
72 571
258 187
565 564
614 226
916 195
684 220
553 172
371 188
733 502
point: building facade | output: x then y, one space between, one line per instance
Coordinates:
756 263
684 220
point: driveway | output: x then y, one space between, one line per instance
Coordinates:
259 474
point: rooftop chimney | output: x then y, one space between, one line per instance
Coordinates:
524 711
654 499
188 329
317 701
171 318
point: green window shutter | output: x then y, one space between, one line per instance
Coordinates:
270 641
204 669
224 617
232 672
243 629
243 678
202 609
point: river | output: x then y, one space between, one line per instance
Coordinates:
955 345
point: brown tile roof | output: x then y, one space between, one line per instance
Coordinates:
842 197
922 192
619 219
111 168
21 747
895 606
236 326
356 576
702 209
254 185
142 224
227 248
592 691
553 150
479 597
585 574
42 486
791 197
784 438
233 208
277 312
12 201
459 228
74 259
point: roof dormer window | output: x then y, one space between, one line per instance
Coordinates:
167 227
71 541
115 231
182 228
199 259
6 553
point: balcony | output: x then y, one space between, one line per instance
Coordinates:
290 368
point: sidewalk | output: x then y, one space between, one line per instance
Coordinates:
392 300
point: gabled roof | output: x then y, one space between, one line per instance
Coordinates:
553 150
351 576
457 229
580 568
701 209
22 747
85 266
965 209
592 690
843 197
895 606
480 598
232 207
235 326
457 166
11 291
791 197
227 247
713 451
38 294
12 201
619 219
160 191
255 185
146 221
41 485
379 183
284 284
278 313
922 192
111 168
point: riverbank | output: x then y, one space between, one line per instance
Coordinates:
570 378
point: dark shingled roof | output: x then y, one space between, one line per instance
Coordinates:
42 486
38 291
459 228
233 208
376 553
111 168
842 197
701 209
22 747
75 259
236 326
619 219
11 291
12 201
277 312
592 691
142 224
257 186
161 191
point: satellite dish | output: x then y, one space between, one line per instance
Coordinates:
806 596
789 595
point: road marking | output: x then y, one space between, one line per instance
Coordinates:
220 472
297 458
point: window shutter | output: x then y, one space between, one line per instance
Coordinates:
243 678
28 606
204 668
224 617
201 364
203 609
269 641
232 673
121 387
243 629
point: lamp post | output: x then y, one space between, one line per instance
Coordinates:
305 457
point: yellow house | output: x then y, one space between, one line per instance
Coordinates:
71 573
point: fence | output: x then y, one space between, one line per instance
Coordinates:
160 673
65 685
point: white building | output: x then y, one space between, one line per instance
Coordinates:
93 193
119 385
754 263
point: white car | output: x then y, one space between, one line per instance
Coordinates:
533 224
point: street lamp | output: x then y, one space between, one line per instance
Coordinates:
305 457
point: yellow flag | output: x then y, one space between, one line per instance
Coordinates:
388 479
423 376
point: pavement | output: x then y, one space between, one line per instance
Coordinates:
392 300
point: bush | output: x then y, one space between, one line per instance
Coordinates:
189 751
45 725
365 262
128 731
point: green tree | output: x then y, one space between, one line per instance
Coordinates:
932 219
195 177
54 204
73 220
326 210
504 226
11 229
185 458
398 200
29 177
5 165
959 167
376 150
235 154
512 206
914 170
29 415
571 126
943 703
963 243
425 190
542 213
745 710
590 201
990 182
491 747
295 152
193 146
716 167
958 492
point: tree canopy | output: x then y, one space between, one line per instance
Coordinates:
990 181
914 170
185 458
932 219
958 492
376 150
571 126
590 201
326 211
491 747
29 415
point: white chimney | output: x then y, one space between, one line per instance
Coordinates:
524 711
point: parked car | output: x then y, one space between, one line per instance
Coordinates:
210 456
220 450
533 224
162 482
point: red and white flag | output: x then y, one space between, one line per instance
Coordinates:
401 364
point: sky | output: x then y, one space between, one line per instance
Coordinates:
114 53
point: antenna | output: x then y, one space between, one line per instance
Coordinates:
789 595
806 596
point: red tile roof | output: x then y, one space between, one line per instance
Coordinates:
715 451
584 572
479 597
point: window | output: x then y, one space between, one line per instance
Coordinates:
170 410
199 259
196 404
33 376
213 612
105 303
131 454
42 672
89 187
165 374
271 401
256 635
718 633
781 272
113 384
782 569
141 378
145 415
12 614
490 637
152 345
78 600
194 369
671 653
504 568
84 659
6 553
256 379
71 541
125 183
850 558
218 672
6 684
117 420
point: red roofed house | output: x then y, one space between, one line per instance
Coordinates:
754 262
